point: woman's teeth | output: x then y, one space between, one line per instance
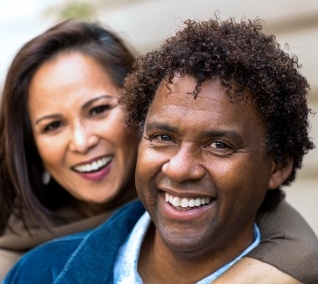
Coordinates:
186 202
94 166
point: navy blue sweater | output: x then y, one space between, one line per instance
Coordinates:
86 257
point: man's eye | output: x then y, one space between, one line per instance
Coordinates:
99 109
52 126
218 145
163 137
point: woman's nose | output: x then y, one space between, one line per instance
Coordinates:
83 139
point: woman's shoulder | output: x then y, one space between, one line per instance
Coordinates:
288 243
7 260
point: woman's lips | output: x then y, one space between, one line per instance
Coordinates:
94 165
95 170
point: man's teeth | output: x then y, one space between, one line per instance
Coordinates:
94 166
186 202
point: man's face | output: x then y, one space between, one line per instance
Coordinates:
202 171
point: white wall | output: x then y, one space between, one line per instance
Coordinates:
146 23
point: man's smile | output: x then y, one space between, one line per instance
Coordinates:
183 203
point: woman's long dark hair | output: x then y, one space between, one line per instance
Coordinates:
21 167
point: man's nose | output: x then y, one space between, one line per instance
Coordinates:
82 139
185 165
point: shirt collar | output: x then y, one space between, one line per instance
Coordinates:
125 268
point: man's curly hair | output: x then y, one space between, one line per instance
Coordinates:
243 58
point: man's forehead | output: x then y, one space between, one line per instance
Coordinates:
187 101
182 92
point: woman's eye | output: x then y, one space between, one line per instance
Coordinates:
52 126
99 109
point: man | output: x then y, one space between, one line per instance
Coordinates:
224 124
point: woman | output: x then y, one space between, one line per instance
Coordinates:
70 160
66 160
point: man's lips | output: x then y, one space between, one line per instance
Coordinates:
185 202
182 207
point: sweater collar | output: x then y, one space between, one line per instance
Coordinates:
90 262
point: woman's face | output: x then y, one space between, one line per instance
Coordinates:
78 127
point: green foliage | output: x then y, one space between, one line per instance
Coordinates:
76 9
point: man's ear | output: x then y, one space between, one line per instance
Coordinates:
280 173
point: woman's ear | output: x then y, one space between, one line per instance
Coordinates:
279 173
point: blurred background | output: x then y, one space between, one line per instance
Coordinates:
144 24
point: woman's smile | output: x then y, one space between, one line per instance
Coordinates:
79 128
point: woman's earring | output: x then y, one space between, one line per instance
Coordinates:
46 177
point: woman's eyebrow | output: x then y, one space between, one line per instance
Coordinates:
88 103
84 106
50 116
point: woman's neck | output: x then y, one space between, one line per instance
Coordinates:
89 209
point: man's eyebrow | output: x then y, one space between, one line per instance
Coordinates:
222 133
206 134
161 126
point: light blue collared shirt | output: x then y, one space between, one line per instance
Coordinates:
125 268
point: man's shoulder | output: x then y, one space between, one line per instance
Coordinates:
51 260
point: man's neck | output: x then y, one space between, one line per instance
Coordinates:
158 264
